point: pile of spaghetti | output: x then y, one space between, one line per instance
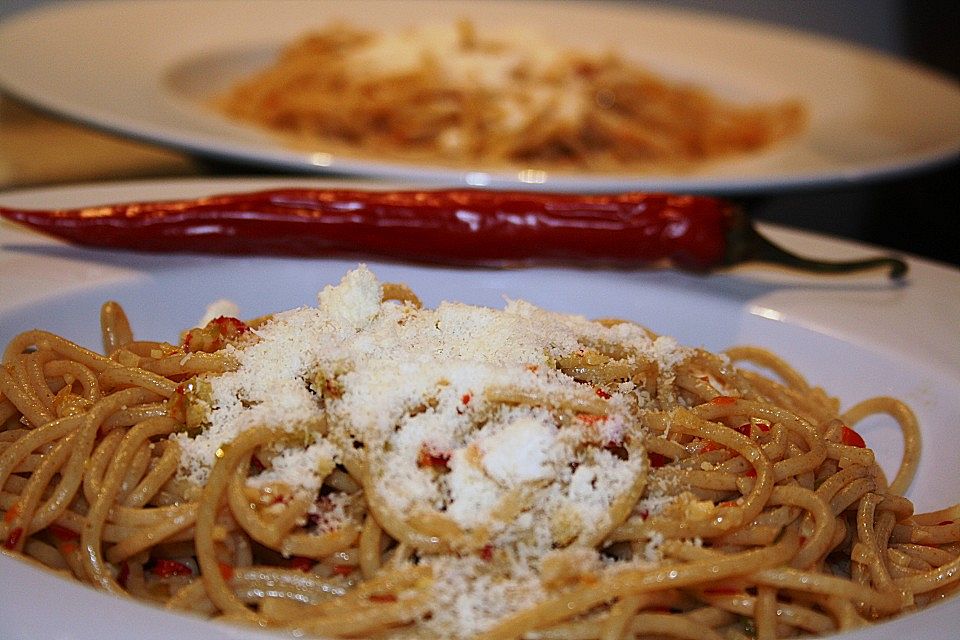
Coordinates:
450 94
369 467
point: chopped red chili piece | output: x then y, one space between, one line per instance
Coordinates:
383 597
657 459
229 326
176 404
711 446
215 335
343 569
301 563
12 513
617 449
851 438
944 523
13 538
123 574
486 553
603 394
164 568
753 429
430 457
590 418
751 473
465 399
226 571
62 533
332 389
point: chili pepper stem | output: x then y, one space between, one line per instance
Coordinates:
746 244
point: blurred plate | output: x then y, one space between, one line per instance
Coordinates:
856 336
140 68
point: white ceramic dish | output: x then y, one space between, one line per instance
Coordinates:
857 336
141 67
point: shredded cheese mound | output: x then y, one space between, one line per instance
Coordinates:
462 415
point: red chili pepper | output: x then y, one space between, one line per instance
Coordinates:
164 568
454 226
851 438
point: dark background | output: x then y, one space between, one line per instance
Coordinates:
918 213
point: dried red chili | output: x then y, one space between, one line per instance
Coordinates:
226 571
164 568
302 563
657 460
429 456
62 533
123 574
14 538
851 438
451 226
214 335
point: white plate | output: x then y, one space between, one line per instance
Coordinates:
857 336
141 69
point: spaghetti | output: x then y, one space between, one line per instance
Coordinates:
369 467
452 94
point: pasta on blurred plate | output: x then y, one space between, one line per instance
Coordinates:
450 94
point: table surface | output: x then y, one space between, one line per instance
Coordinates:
37 149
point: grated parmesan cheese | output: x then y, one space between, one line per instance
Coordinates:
461 411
